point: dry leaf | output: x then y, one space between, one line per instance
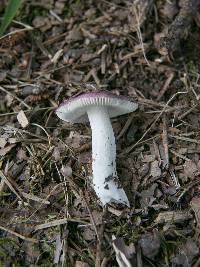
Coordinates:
123 252
155 170
147 196
5 150
22 119
169 9
81 264
190 169
150 244
195 205
66 170
186 254
2 142
88 234
148 158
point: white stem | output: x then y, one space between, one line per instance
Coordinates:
104 158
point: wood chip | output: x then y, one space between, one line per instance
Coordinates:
81 264
22 119
173 216
190 169
155 170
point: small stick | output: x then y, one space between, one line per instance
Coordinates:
171 109
19 235
58 222
14 96
25 111
165 143
165 87
53 39
139 34
190 140
174 179
7 182
103 62
96 79
187 112
92 218
157 152
54 189
139 143
179 155
99 254
197 263
43 49
105 261
126 126
187 188
28 28
64 189
35 198
83 148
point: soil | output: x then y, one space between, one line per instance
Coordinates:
146 50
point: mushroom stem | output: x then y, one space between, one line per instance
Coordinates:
105 178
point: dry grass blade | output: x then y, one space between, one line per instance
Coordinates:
187 112
186 139
35 198
58 222
7 182
32 240
37 125
165 144
27 111
126 126
129 149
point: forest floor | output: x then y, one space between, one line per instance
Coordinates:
146 50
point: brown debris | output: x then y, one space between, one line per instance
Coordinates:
180 27
46 194
124 254
190 169
195 206
150 244
187 252
173 216
81 264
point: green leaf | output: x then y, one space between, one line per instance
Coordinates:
10 12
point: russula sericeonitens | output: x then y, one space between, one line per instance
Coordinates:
98 107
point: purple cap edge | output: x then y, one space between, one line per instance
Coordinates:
93 94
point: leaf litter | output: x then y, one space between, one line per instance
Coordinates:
146 50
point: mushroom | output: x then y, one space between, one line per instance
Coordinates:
99 107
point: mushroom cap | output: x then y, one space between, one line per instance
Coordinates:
74 110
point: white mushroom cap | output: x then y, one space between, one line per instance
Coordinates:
74 110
